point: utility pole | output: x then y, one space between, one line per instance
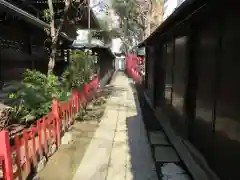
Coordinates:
89 22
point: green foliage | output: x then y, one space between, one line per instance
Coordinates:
35 96
78 71
104 33
46 15
131 17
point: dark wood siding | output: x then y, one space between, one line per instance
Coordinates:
215 115
30 52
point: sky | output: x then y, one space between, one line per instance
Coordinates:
116 44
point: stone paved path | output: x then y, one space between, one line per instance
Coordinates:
119 149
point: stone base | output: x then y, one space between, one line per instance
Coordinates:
67 138
158 138
166 154
41 163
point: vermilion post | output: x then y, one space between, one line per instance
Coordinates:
55 113
25 139
69 111
51 128
34 158
86 89
97 78
67 114
5 154
72 110
76 99
18 156
39 138
44 125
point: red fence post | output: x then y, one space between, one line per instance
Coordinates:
55 115
5 153
34 156
26 150
17 145
39 138
86 89
97 78
76 100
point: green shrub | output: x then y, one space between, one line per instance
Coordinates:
34 98
35 94
78 72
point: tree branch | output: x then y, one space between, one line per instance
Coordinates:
55 32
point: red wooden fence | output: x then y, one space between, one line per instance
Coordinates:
131 66
36 142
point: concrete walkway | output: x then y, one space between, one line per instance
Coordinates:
119 149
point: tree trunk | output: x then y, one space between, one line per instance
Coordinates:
52 55
55 33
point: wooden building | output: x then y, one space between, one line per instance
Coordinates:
22 35
192 72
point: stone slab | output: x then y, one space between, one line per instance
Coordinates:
165 154
94 164
158 138
177 177
120 149
116 172
170 169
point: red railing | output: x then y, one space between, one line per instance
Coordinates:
131 66
42 139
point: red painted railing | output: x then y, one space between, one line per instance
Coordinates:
131 66
38 141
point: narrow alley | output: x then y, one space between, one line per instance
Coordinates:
119 90
119 149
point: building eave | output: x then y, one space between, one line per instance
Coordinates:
182 12
27 17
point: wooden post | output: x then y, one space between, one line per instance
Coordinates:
55 116
39 138
18 156
25 139
76 100
5 153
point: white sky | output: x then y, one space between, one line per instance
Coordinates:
116 44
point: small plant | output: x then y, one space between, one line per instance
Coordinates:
46 15
35 96
78 71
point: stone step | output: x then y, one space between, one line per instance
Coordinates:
171 171
158 138
164 154
4 99
10 87
3 95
